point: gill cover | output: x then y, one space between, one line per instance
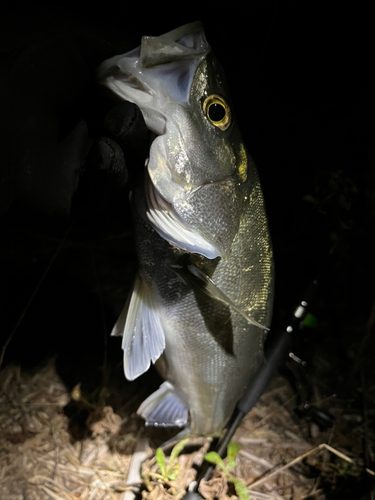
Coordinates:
192 182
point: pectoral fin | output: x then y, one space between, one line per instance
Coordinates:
164 408
163 219
139 324
198 280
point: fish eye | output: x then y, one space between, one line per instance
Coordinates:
217 111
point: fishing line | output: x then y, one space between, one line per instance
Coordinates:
35 291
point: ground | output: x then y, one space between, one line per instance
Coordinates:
40 459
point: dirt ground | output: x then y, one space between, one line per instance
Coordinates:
281 456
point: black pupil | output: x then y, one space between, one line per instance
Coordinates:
216 112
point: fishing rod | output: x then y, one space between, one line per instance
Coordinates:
274 355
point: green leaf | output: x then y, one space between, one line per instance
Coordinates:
240 488
231 464
172 475
232 451
160 459
177 450
214 458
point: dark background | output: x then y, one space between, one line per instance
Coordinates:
302 86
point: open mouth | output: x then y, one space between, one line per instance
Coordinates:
169 225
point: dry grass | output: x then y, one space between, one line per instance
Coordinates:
279 457
38 459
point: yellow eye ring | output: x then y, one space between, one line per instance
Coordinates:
217 111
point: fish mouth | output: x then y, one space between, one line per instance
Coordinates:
168 221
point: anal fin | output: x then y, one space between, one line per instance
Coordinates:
164 408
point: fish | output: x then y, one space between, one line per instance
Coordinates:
201 302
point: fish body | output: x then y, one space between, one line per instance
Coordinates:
202 298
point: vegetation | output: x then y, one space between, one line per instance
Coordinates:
232 451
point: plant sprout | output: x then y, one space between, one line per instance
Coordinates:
232 451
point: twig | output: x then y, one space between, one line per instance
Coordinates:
255 459
302 457
255 441
336 452
314 493
54 495
38 477
261 422
323 466
263 496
